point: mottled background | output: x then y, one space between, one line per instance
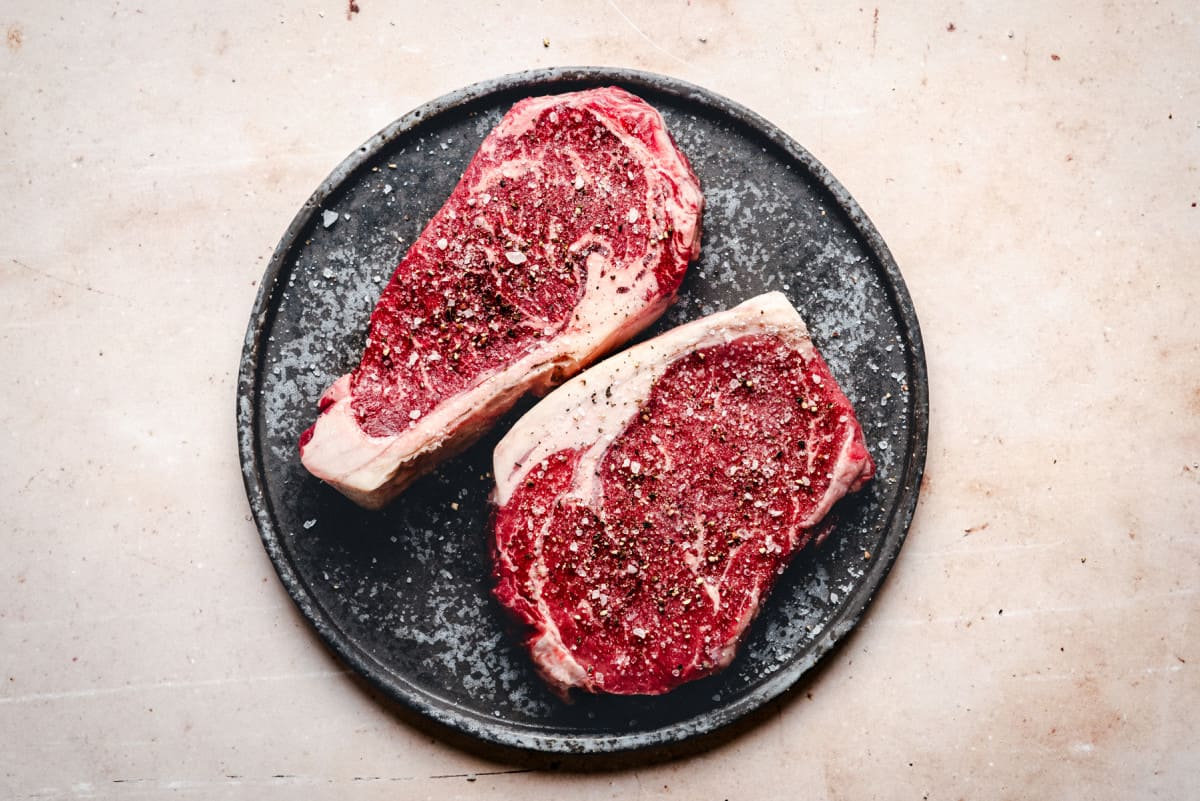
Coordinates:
1035 173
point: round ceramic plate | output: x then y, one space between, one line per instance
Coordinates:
404 596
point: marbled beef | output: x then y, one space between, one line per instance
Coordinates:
569 232
644 508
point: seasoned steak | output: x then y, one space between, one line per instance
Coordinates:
644 509
569 232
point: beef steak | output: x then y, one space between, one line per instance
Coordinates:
569 232
643 509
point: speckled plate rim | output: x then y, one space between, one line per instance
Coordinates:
444 711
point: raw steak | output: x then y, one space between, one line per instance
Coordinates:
569 232
644 508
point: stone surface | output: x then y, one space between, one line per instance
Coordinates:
1034 173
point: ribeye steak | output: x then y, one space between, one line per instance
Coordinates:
644 508
569 232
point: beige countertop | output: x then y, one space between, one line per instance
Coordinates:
1036 174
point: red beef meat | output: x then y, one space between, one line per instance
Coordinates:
644 509
569 232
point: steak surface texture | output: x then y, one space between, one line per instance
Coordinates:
569 232
644 509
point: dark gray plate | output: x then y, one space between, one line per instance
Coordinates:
403 596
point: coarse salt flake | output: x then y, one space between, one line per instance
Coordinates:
632 216
414 414
515 257
442 243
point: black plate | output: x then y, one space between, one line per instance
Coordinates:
403 596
